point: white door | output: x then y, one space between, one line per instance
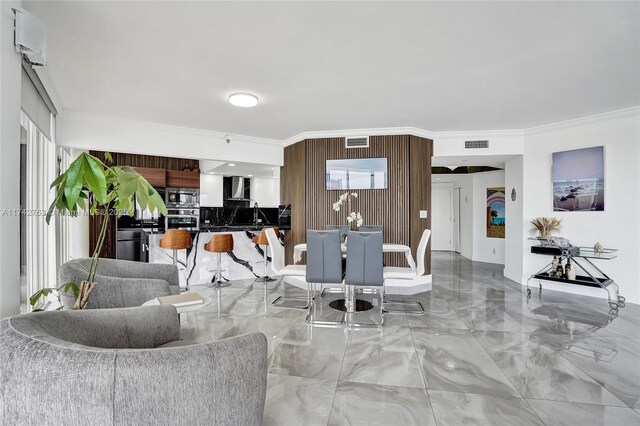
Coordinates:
441 215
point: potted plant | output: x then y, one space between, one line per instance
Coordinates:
91 185
545 226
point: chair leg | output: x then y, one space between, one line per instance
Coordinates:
291 302
218 283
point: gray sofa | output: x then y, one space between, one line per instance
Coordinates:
108 367
120 283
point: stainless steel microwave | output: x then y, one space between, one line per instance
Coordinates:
180 197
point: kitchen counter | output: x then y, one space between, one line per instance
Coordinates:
199 265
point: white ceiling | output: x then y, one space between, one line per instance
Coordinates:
240 169
439 66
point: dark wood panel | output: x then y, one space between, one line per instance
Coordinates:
191 180
420 153
174 179
397 208
389 208
109 247
155 176
151 161
293 191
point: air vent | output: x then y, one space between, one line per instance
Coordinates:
357 142
476 144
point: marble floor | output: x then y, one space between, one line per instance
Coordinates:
480 354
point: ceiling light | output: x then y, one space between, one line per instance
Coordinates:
243 100
249 175
231 164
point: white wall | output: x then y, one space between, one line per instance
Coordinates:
91 131
616 227
10 93
265 191
515 222
507 142
211 192
485 249
466 216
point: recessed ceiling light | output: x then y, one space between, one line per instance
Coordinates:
249 175
231 164
243 100
212 173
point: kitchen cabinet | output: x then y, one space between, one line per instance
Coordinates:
180 179
156 177
174 179
191 180
211 190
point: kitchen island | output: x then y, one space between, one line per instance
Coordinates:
200 266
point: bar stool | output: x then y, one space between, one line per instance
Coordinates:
177 239
220 243
262 240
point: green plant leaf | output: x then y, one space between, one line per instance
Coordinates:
33 300
95 179
73 287
73 184
57 181
108 157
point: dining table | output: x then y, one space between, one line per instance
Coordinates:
349 294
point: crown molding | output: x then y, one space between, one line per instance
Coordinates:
621 113
414 131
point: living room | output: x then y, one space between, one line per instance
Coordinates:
357 212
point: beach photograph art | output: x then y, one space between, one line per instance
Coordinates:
495 212
578 180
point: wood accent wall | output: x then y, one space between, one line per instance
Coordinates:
396 208
292 183
152 161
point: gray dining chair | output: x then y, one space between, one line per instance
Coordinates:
364 269
343 229
324 266
371 228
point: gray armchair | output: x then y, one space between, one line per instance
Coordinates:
120 283
109 367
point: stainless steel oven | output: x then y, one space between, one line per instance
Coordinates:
182 219
182 198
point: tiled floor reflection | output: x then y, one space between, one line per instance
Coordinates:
482 353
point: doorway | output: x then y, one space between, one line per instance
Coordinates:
442 219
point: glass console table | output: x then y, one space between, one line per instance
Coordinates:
581 257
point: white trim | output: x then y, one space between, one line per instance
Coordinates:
583 120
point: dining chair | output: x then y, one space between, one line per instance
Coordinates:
279 268
364 269
371 228
343 229
407 273
324 266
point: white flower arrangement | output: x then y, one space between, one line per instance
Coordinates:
355 216
346 198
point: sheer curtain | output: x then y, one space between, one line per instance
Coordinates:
40 242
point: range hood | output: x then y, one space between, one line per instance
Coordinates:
237 188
